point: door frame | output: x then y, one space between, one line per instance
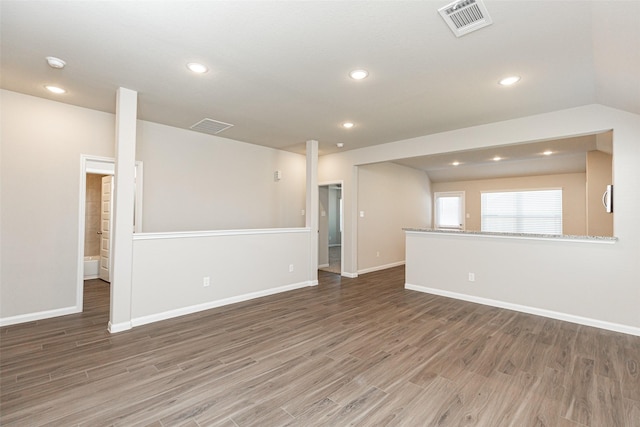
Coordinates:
102 166
340 219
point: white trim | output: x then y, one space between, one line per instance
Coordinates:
93 276
98 165
216 233
139 321
114 328
314 283
138 196
349 275
312 206
323 266
381 267
626 329
40 315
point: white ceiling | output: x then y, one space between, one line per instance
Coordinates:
568 155
279 69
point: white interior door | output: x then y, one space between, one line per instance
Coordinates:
105 228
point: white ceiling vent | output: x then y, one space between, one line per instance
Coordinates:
465 16
210 126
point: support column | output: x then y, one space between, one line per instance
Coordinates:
311 218
123 210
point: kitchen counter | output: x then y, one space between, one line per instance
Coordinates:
559 237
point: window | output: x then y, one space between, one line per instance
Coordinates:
536 211
449 210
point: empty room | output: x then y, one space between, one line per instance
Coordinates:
278 213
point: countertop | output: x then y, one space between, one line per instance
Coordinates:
602 239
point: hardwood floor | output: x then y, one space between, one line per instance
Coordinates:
360 351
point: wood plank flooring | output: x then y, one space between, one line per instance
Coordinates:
362 352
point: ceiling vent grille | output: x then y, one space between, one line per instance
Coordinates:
210 126
465 16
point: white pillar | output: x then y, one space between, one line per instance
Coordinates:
123 211
312 206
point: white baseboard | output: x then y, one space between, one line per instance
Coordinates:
349 275
114 328
625 329
323 266
91 276
380 267
31 317
313 283
144 320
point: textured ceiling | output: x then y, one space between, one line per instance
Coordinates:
279 69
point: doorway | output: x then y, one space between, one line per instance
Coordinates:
330 220
102 169
97 229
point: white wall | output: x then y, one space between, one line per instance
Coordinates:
192 181
581 282
195 181
39 211
41 146
392 197
622 287
168 269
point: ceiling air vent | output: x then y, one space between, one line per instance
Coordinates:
465 16
210 126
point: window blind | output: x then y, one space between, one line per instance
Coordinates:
535 211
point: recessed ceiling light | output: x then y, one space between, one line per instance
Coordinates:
55 89
497 158
55 62
548 153
340 144
455 163
347 125
359 74
508 81
197 68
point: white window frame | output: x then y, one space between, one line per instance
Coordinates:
436 213
525 190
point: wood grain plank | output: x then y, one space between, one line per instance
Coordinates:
361 351
580 396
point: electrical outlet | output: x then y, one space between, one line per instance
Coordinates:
206 281
290 268
472 277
